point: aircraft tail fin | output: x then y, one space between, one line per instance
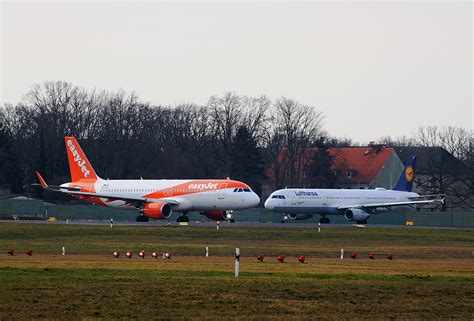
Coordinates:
79 165
405 182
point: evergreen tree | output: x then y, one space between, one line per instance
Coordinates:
320 171
247 162
9 169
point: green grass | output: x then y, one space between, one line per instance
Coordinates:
431 277
192 240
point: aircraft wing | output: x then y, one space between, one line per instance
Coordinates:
77 191
121 198
390 204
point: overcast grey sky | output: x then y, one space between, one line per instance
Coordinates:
374 69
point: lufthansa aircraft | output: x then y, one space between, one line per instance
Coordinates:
355 204
157 199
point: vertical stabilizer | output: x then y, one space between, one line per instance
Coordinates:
405 182
79 165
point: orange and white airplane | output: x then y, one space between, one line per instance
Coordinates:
215 198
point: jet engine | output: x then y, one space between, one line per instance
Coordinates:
218 215
356 214
299 217
157 210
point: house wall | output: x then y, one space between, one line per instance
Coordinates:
389 174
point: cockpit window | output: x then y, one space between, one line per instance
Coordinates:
246 189
235 190
241 190
279 197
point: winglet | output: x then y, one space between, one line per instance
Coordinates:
42 181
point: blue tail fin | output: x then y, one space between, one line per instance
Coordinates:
405 182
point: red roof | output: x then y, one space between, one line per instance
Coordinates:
366 162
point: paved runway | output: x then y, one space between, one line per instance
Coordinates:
164 223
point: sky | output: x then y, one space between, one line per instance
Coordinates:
374 69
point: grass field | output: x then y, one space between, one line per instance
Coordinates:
431 276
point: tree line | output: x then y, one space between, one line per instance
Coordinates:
124 137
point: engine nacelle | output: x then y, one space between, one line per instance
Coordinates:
157 210
218 215
299 217
356 214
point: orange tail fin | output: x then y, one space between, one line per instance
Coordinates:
79 165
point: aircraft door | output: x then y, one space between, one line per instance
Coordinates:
292 198
221 191
324 201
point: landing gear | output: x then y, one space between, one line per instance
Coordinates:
284 218
324 220
182 218
231 220
142 218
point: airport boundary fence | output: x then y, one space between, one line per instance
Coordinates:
39 210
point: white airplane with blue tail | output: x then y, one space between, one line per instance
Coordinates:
355 204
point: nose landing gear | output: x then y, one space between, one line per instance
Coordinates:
229 216
324 220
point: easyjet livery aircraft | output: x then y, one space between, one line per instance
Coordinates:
157 199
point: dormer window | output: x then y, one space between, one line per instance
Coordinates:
350 173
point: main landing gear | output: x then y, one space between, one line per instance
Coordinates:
142 218
324 220
182 218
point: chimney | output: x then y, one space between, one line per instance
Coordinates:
375 148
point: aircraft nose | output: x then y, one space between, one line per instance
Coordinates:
268 204
255 200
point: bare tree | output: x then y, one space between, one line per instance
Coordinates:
402 141
296 127
448 164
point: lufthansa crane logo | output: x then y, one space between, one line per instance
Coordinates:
409 174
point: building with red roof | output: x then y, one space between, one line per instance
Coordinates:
354 167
